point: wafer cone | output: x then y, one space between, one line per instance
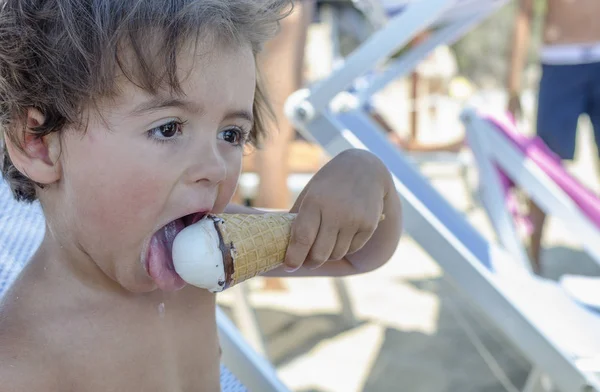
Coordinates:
256 242
253 244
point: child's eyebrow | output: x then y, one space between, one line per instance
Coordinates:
158 102
240 114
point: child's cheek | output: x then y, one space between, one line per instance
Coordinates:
127 206
141 199
228 187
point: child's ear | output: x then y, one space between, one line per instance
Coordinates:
36 157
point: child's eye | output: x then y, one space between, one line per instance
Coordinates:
235 136
166 131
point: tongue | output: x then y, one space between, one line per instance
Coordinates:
160 261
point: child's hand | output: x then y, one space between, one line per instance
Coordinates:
340 209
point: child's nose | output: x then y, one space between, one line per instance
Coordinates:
208 166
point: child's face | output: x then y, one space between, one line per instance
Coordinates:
128 180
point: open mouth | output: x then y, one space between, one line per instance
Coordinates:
159 259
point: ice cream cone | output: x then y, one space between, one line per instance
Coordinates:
223 250
256 243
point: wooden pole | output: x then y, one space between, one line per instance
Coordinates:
413 142
414 111
281 64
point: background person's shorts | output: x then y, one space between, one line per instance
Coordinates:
565 93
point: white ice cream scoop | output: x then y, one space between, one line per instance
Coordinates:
197 257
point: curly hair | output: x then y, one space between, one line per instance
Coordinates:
62 56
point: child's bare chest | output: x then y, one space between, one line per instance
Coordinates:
171 350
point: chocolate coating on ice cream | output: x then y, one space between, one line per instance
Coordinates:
226 252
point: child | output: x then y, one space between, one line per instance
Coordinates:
127 120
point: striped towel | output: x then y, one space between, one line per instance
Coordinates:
22 229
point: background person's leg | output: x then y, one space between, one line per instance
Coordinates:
562 99
281 63
538 219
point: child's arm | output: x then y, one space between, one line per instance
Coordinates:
337 231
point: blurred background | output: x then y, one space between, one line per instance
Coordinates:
403 327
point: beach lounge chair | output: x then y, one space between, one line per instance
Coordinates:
559 337
527 163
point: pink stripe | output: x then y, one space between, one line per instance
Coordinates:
536 150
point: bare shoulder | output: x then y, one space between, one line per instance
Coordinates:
21 375
23 363
29 356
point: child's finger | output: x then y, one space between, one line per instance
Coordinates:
359 240
304 231
342 244
323 246
363 234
